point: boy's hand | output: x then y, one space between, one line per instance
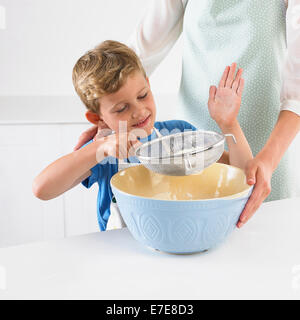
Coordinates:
121 145
224 102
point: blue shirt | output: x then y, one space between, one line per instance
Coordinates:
103 171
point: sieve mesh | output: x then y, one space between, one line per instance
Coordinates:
182 153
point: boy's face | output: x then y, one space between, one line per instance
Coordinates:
132 103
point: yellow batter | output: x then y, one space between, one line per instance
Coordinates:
218 180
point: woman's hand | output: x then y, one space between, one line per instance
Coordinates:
94 132
259 172
86 136
224 102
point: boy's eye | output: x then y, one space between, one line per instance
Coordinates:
144 96
121 110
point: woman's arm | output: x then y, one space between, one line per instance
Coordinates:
157 32
259 171
290 91
284 132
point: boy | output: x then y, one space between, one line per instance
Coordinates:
112 84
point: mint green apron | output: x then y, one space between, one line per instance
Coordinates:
251 33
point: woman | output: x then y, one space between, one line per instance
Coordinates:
253 34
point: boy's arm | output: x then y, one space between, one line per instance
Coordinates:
224 104
80 179
224 158
240 153
66 172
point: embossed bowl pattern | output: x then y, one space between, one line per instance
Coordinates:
179 226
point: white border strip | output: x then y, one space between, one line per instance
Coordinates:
2 18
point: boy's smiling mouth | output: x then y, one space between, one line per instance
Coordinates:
143 122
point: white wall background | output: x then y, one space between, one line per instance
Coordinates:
44 38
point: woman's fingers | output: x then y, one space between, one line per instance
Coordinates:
102 133
260 192
224 77
236 81
86 136
250 172
231 74
251 207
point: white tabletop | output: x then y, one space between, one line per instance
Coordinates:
262 260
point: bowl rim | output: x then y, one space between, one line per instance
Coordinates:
239 195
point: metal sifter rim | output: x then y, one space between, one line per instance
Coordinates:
186 153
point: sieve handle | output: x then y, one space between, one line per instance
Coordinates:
231 135
157 132
165 145
188 163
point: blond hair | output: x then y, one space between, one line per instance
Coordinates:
104 70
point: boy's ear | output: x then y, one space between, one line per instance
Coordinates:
147 79
93 117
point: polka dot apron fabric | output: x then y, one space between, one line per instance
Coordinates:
253 34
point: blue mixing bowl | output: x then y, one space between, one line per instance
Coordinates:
184 214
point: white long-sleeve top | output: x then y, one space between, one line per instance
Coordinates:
162 25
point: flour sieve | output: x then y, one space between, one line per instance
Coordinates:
182 153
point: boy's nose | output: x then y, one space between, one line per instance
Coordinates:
138 111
